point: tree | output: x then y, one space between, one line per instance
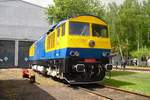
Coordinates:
111 16
143 52
129 25
64 9
146 9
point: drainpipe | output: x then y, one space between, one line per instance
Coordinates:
16 52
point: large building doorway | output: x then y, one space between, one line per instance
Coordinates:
7 55
23 53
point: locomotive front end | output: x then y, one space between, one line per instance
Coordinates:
88 51
76 49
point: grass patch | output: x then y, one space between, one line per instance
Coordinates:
132 81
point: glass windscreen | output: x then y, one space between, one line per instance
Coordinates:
99 30
79 28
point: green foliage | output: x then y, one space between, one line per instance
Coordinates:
64 9
130 22
143 52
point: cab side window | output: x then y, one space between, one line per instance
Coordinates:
63 29
99 31
58 32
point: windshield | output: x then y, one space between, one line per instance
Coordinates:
99 30
79 28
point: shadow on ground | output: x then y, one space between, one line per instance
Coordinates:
22 90
94 87
100 85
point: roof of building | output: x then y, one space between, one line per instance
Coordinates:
22 1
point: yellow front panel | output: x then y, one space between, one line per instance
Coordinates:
83 42
31 50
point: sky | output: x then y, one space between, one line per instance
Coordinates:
45 3
109 1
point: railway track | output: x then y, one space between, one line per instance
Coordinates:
133 69
107 92
127 91
97 94
111 93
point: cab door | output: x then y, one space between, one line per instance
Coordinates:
57 51
60 41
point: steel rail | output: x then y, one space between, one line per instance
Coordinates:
114 88
97 94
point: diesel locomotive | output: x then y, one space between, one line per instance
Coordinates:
76 50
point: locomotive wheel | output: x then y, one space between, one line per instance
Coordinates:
99 72
102 72
44 72
84 76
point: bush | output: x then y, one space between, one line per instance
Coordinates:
143 52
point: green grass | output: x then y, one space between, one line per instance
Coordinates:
132 81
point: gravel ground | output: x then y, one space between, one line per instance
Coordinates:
14 87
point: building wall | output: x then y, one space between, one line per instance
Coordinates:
21 23
22 20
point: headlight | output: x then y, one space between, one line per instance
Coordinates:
74 53
77 53
105 54
79 68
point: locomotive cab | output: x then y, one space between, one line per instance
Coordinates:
88 35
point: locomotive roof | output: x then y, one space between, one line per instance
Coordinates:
56 25
52 27
89 15
63 21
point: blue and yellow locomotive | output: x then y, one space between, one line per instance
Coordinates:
76 49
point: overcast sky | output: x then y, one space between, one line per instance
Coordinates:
45 3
